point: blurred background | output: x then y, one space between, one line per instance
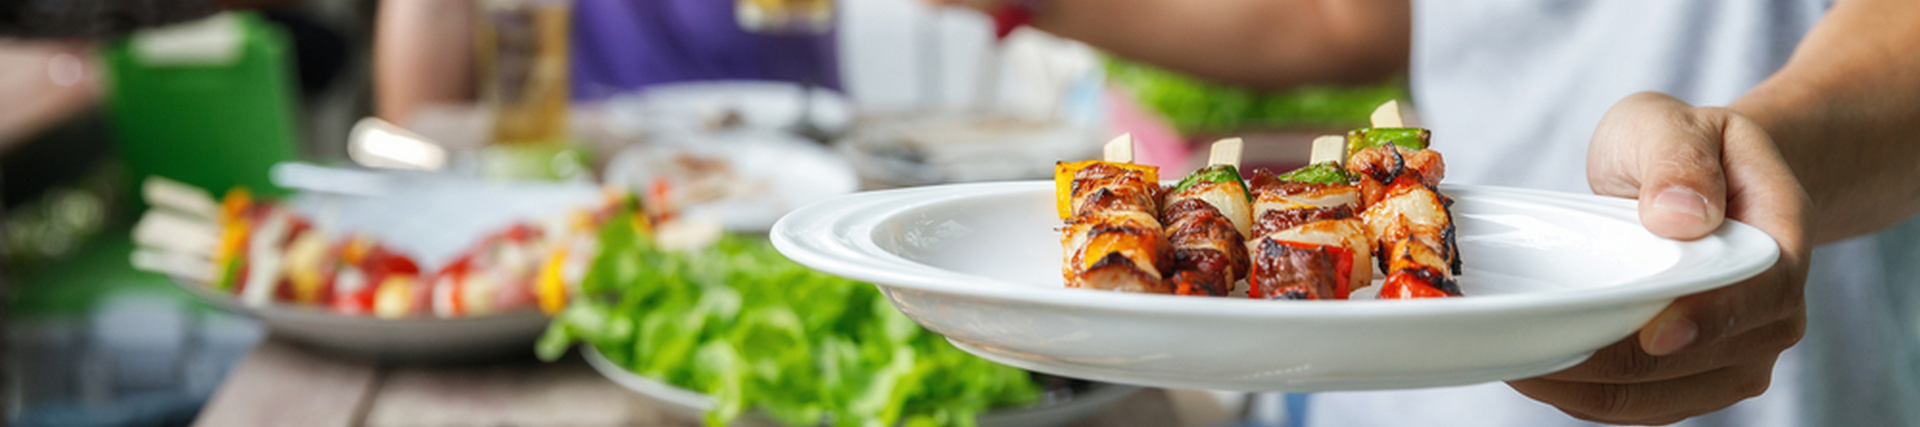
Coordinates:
890 92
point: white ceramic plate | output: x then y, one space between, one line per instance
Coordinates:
691 406
419 339
1549 278
776 171
954 146
432 219
687 107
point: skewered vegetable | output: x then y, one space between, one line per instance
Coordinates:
1207 216
1307 243
1112 239
1405 215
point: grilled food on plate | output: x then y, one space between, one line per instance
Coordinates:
1207 215
265 253
1112 239
1406 217
268 253
1305 234
1307 242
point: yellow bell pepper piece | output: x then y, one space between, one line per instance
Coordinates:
550 286
1063 173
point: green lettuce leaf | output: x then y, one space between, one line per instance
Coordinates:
756 331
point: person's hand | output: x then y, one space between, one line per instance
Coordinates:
1690 168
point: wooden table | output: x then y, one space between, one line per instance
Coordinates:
284 384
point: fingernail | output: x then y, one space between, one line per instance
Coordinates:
1682 200
1671 336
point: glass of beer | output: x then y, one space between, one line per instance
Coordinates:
521 47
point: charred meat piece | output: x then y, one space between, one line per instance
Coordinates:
1304 216
1209 255
1376 168
1409 222
1292 270
1112 239
1207 216
1325 259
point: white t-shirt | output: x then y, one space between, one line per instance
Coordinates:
1513 89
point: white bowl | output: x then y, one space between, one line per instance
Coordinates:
1549 278
691 406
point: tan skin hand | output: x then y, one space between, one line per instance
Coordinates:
1688 165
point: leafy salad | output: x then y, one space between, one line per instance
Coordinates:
1195 106
750 328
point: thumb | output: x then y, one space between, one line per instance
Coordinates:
1675 162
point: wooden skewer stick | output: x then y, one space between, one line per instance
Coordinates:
1226 152
1388 115
169 194
173 264
1329 148
177 233
1120 149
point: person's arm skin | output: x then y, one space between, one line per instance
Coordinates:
1825 149
422 55
95 19
1846 114
1265 44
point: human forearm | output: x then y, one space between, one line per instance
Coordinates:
1845 113
1269 44
422 55
94 18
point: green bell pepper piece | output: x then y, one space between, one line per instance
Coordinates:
1409 138
1214 174
1317 173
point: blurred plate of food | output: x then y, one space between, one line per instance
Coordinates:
745 179
949 147
430 269
736 332
1548 279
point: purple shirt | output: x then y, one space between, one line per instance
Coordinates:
624 45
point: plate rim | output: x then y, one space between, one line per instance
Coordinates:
317 315
1334 384
820 236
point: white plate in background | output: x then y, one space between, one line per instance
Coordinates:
431 219
1549 278
410 340
690 107
778 172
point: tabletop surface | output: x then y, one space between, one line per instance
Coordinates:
284 384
